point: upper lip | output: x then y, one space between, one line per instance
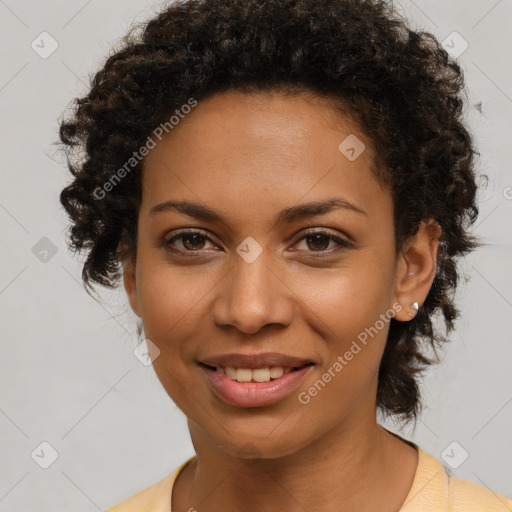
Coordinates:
262 360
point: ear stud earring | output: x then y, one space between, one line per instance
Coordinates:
414 306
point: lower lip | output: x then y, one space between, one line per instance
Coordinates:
254 394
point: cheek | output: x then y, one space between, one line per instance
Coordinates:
168 296
345 301
351 311
174 302
173 309
354 338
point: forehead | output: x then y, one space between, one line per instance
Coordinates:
256 153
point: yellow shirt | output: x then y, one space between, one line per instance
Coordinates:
433 490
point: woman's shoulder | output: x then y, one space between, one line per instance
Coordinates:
468 496
156 498
147 499
435 489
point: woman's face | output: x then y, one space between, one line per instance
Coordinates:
266 277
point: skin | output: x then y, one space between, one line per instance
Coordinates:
248 156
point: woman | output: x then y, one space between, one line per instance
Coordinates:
284 188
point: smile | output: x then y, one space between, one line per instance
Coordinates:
254 374
254 387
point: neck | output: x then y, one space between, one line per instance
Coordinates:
360 468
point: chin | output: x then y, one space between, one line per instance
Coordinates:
273 446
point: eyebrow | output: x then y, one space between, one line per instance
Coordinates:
286 216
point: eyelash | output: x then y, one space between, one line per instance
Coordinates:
342 244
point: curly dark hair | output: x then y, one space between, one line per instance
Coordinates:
399 85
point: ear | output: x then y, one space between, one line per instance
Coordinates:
130 279
416 268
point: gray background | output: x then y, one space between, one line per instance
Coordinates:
68 375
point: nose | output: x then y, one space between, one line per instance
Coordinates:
252 296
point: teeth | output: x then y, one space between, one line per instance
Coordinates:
230 372
254 375
261 374
276 372
243 375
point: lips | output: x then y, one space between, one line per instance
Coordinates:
254 394
252 361
254 380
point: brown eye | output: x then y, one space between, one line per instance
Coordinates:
191 241
319 241
317 244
